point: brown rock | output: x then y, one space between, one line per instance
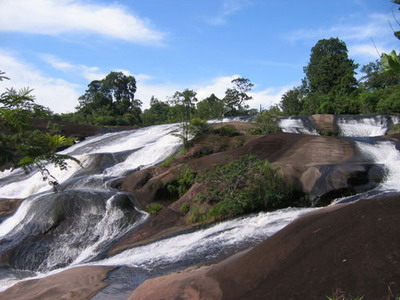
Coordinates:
324 123
73 284
9 206
353 248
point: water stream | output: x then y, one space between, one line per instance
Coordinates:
53 231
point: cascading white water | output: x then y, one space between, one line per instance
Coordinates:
384 153
295 125
124 151
207 243
365 126
89 211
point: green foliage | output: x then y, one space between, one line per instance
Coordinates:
242 186
184 105
154 208
236 97
226 130
376 78
266 122
391 62
157 113
210 108
184 208
198 127
20 146
330 70
291 103
182 183
110 101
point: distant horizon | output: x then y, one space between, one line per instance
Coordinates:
57 47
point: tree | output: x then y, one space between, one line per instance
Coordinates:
330 71
111 101
20 145
210 108
184 103
391 61
157 113
235 97
375 78
291 102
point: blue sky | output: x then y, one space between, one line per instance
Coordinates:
57 47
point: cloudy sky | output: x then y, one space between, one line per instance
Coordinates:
57 47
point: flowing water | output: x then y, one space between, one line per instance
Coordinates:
52 231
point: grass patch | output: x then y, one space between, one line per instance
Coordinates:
154 208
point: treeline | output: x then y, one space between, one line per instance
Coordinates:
111 101
330 85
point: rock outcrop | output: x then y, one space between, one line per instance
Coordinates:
351 249
323 167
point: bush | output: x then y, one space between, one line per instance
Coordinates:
267 122
155 208
183 183
184 208
242 186
198 126
226 130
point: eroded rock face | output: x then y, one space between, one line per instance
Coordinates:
321 166
79 283
353 248
324 123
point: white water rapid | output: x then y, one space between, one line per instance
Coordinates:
93 215
296 125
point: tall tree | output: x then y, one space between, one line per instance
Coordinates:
210 108
291 102
330 71
111 101
236 97
185 103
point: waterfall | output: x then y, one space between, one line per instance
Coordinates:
297 125
365 125
80 221
52 231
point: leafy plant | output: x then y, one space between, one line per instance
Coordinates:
184 208
182 184
155 208
242 186
226 130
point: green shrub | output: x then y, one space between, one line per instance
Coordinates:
155 208
226 130
245 185
168 161
195 215
183 183
184 208
267 122
198 126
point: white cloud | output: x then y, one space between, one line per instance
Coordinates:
368 51
376 25
229 7
89 73
55 17
55 93
216 86
267 97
